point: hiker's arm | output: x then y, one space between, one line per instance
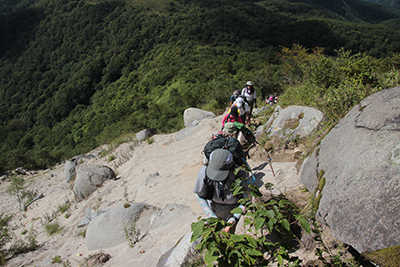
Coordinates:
206 207
236 216
224 119
233 220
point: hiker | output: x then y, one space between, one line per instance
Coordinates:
250 93
234 96
213 188
243 134
272 100
243 108
231 116
227 138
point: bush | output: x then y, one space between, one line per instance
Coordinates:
53 228
275 216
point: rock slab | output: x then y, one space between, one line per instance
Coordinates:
356 172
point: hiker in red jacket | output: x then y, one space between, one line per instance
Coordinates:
232 116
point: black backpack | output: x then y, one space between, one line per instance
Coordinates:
229 143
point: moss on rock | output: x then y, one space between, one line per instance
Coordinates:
387 257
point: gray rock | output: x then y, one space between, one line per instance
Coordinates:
194 114
259 131
185 132
142 135
19 170
180 253
89 178
168 214
303 120
89 216
111 227
69 170
361 165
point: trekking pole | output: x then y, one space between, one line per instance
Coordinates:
269 159
252 175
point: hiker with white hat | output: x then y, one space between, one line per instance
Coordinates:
250 94
213 188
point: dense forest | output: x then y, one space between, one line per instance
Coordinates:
77 74
387 3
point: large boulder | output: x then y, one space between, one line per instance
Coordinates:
112 227
69 170
294 121
355 171
90 177
192 116
142 135
132 221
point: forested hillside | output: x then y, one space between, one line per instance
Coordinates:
77 74
388 3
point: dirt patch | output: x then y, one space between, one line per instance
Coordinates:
97 259
280 156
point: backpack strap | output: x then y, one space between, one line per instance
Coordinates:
226 142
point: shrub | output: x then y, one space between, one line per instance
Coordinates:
63 208
20 246
53 228
275 216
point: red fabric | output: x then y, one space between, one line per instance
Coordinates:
229 118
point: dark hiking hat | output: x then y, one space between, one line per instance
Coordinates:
221 161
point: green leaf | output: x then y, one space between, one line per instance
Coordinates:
270 224
283 203
270 214
256 194
236 238
259 223
237 211
196 234
272 202
247 221
252 241
305 225
254 252
280 260
268 244
197 229
276 209
197 225
210 256
238 191
285 224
